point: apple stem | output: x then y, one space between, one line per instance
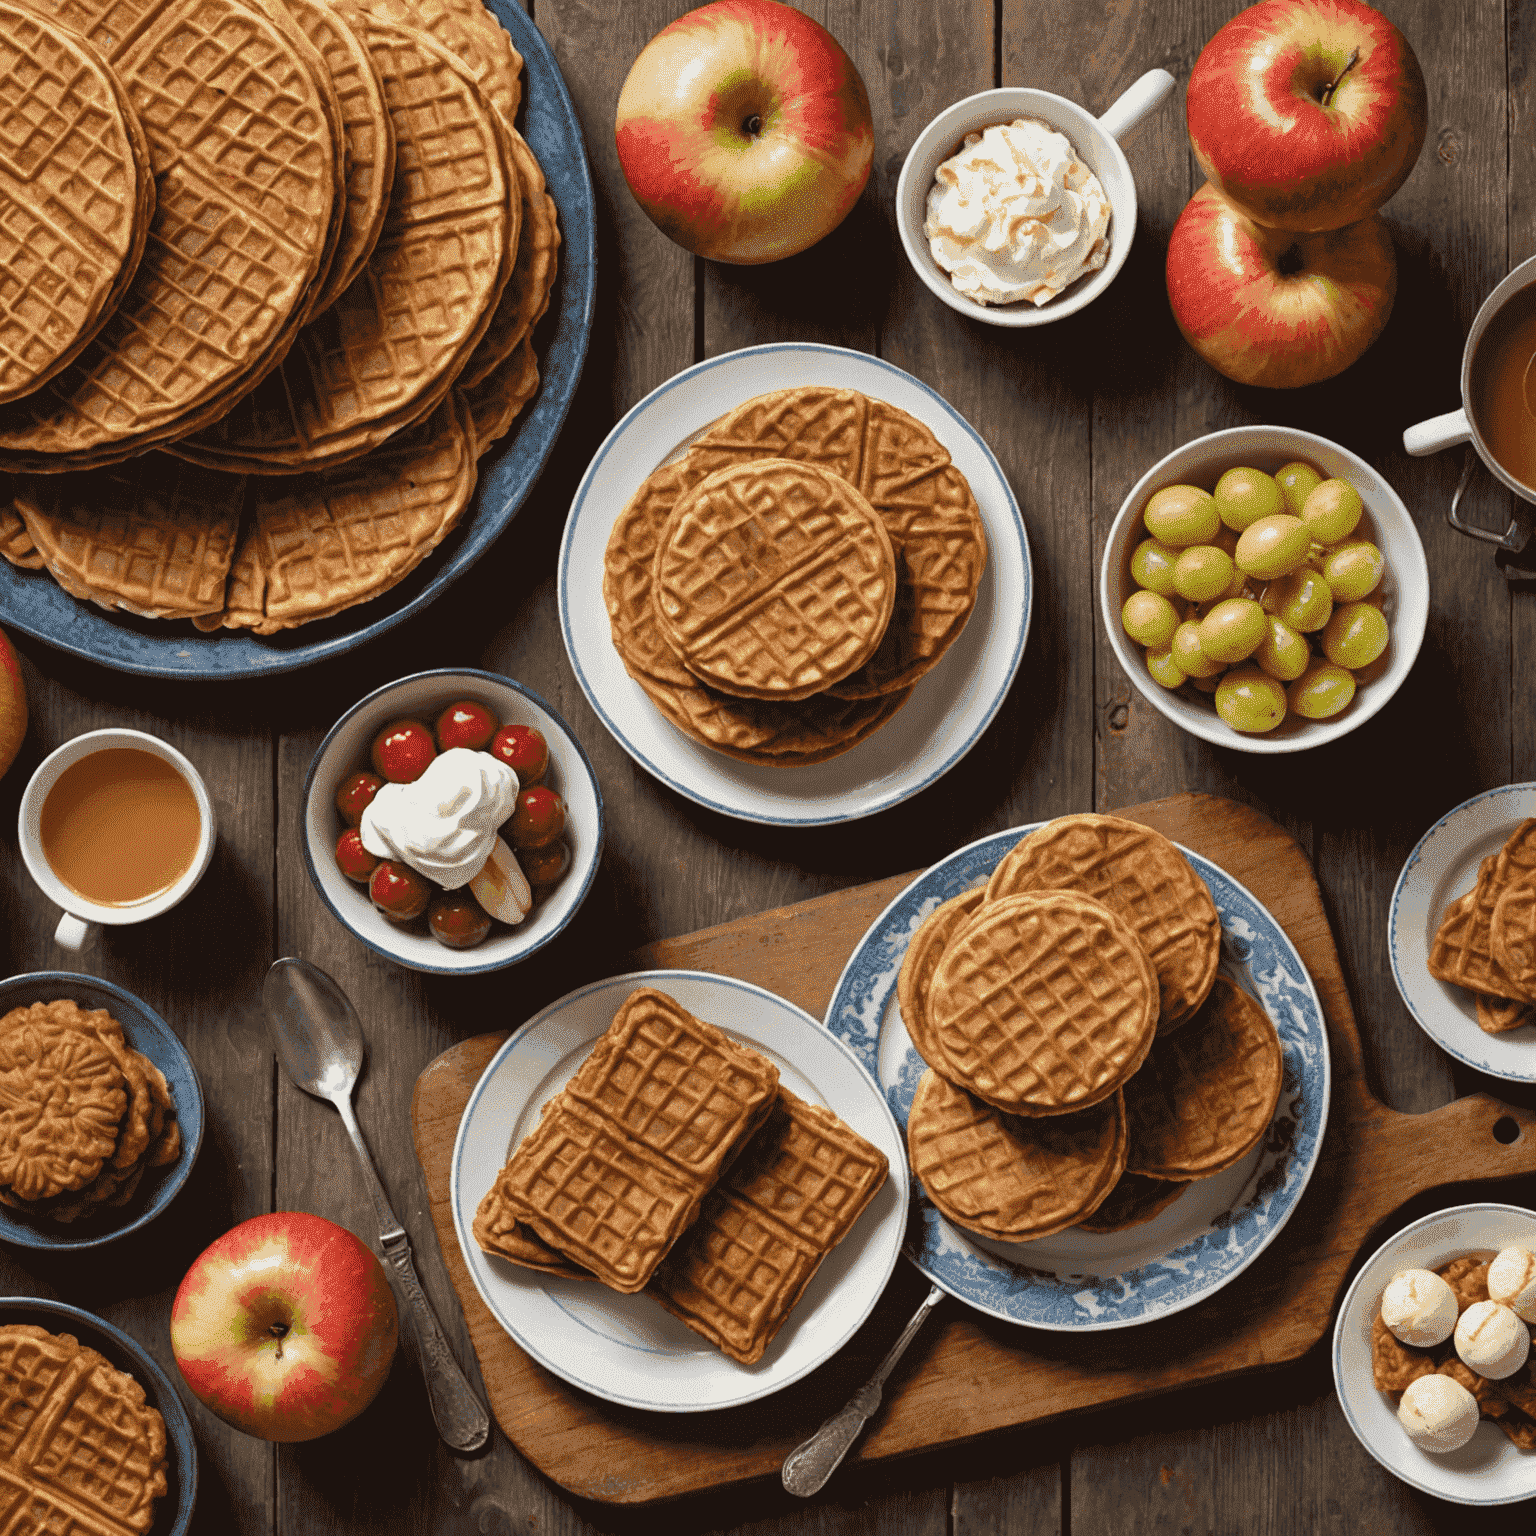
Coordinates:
279 1331
1333 85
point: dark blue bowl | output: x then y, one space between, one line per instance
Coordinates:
173 1513
151 1036
34 603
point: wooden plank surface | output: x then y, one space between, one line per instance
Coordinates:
1075 412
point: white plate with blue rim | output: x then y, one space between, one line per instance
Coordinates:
1076 1281
1443 866
1488 1469
949 708
626 1348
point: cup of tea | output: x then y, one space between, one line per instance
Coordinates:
116 826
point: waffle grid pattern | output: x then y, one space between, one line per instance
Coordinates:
915 979
1512 932
469 34
1462 949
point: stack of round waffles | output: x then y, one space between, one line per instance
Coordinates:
272 270
779 589
1085 1059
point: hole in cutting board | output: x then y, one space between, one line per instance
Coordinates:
1506 1130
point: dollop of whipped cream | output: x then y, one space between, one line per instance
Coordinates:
1016 215
444 823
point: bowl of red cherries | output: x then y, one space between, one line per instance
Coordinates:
452 821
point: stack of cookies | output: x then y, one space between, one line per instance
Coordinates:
82 1114
1085 1059
779 590
674 1162
277 412
1486 941
81 1451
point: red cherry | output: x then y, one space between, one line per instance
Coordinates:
402 751
546 864
539 818
355 795
466 724
458 920
524 750
398 891
352 859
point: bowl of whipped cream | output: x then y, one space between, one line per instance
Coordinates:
453 821
1018 207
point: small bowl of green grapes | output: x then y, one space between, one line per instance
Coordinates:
1265 589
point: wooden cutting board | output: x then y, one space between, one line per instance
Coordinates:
967 1374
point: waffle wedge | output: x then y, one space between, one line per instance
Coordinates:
1461 951
1498 1015
1512 932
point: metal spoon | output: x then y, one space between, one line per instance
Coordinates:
812 1462
320 1044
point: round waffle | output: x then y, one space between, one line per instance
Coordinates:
76 195
1133 1200
244 135
773 579
494 402
1044 1003
1139 874
919 964
471 34
905 473
1207 1094
1007 1178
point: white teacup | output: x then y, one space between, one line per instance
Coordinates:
81 915
1094 139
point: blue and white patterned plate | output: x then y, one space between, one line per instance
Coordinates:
1079 1281
1442 867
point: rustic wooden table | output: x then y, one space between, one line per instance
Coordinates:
1075 413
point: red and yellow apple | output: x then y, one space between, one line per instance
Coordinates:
1268 306
285 1326
744 131
1307 114
13 705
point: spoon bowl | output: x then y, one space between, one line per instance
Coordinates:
314 1027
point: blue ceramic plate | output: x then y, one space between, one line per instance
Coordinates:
34 603
173 1513
151 1036
1077 1281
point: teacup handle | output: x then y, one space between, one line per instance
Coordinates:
1133 104
1437 433
73 932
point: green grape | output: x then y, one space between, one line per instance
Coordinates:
1149 619
1356 635
1249 699
1202 572
1283 653
1233 630
1243 496
1273 546
1163 667
1297 480
1152 567
1352 570
1332 511
1302 599
1193 662
1321 691
1180 515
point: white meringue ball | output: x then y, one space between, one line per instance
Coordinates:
1512 1280
1438 1413
1419 1307
1491 1340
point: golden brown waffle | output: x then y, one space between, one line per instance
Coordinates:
791 1197
1044 1003
1462 949
773 579
1206 1095
621 1159
152 536
76 195
244 136
1007 1177
906 474
1135 1199
498 1232
317 544
1498 1015
1512 932
1139 874
15 542
81 1451
494 403
471 34
388 351
921 961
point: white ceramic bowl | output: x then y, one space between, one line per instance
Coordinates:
1094 139
345 749
1405 586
